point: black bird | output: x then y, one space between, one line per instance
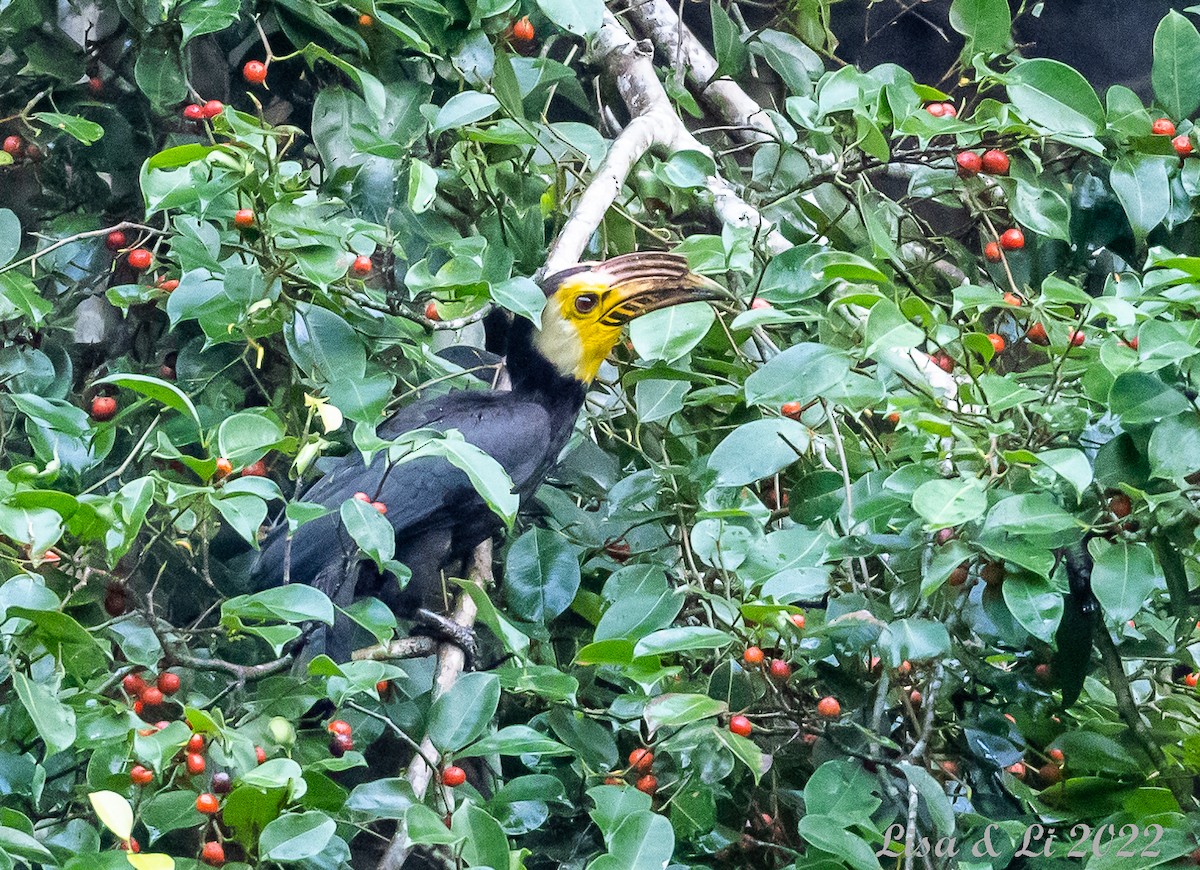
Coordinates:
438 516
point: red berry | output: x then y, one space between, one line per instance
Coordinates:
152 696
130 845
760 304
1037 334
195 743
829 708
14 145
944 536
1056 755
255 72
997 341
260 754
1012 299
949 111
138 706
140 775
1163 127
383 688
1132 343
943 361
1017 770
936 109
1120 506
361 265
740 725
362 496
169 286
995 162
212 108
195 763
1077 338
379 506
104 408
1182 145
115 240
753 656
618 551
140 259
1012 239
453 776
193 112
213 854
523 30
339 726
914 698
792 410
613 780
255 469
1191 680
991 252
647 784
243 218
224 467
431 311
208 804
969 164
1042 672
797 620
641 760
780 669
95 85
168 683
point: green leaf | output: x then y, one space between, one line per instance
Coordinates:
10 236
463 109
1144 190
842 790
1176 58
681 639
54 720
1056 97
727 41
1034 603
245 437
323 344
79 128
758 449
1123 576
157 389
945 503
800 373
541 575
673 710
581 17
292 603
670 333
515 740
1137 397
463 713
914 639
371 531
830 835
643 841
422 186
987 25
296 836
889 329
520 296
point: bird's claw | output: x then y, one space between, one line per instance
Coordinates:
443 628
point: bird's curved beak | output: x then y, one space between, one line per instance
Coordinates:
638 296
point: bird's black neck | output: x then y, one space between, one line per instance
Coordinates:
536 377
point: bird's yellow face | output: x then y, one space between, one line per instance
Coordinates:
583 319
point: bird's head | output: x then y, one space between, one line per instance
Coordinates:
587 305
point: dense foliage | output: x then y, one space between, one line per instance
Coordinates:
809 553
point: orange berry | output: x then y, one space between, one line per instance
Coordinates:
641 760
792 410
1012 299
255 72
379 506
753 656
208 804
523 30
453 776
213 854
114 241
224 467
991 252
1017 770
997 341
362 496
1077 338
1163 127
243 218
969 164
255 469
260 754
361 265
1182 145
829 708
1190 680
797 620
365 20
1012 239
647 784
212 108
140 259
1056 755
195 763
339 726
152 696
1037 334
140 775
431 312
780 669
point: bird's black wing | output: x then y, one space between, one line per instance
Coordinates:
422 493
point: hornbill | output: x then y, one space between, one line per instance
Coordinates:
437 515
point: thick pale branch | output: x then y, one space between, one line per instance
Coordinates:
450 664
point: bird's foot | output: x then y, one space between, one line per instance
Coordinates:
443 628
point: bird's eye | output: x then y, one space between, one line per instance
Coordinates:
586 302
